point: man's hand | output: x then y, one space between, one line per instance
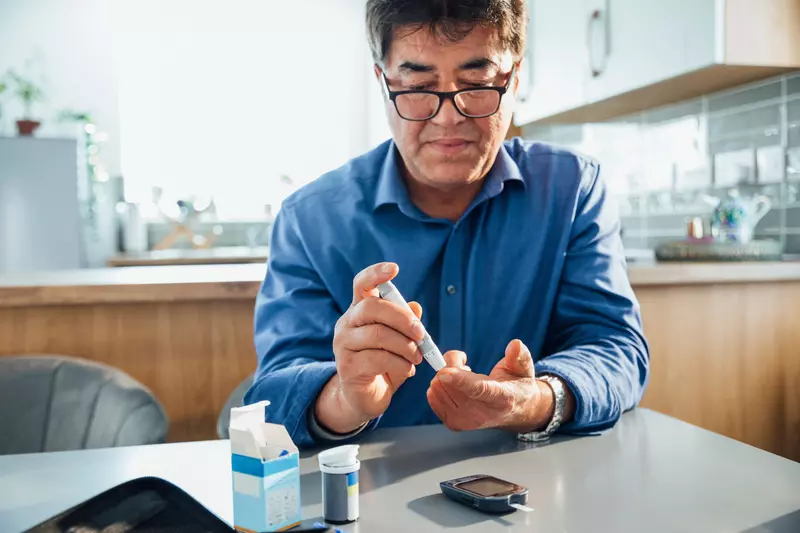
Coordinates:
509 397
375 353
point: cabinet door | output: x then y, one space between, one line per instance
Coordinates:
647 41
554 74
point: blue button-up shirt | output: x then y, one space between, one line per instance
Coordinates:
537 256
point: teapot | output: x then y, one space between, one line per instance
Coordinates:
735 218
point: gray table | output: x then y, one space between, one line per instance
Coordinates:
651 473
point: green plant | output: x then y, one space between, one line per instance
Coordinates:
68 115
26 90
3 87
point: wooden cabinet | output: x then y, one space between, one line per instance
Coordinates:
592 60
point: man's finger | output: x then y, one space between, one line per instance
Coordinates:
381 337
445 413
378 311
366 281
395 378
445 398
518 359
455 359
375 363
416 309
472 385
436 405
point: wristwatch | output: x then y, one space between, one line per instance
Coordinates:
558 412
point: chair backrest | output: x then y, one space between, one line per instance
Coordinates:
53 403
234 400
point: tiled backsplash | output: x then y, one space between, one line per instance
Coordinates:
668 164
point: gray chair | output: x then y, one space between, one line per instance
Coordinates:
53 403
234 400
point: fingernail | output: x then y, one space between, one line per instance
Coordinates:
387 268
418 330
446 378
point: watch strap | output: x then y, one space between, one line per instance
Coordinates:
560 396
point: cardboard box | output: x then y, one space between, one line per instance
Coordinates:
265 465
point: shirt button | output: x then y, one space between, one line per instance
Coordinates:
451 289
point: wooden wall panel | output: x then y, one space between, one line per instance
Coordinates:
191 355
727 358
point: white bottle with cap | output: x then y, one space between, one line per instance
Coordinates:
339 467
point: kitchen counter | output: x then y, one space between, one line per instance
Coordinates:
133 284
242 281
207 256
646 274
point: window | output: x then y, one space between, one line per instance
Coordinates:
221 98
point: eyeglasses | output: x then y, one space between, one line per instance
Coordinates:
421 105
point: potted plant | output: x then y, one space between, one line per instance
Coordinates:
29 93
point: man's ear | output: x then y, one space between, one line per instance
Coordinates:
378 77
517 73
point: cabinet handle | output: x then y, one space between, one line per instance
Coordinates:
595 17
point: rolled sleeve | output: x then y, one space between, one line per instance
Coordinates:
295 316
595 340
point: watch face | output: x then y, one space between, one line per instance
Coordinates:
490 487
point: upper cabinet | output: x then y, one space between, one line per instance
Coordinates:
592 60
553 80
633 43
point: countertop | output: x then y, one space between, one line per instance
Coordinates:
649 473
242 281
207 256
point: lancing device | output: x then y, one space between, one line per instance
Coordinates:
430 352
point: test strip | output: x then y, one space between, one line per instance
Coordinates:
520 507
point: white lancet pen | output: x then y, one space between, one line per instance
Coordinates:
430 352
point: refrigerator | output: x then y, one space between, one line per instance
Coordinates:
41 226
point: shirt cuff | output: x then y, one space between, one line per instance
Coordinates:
320 434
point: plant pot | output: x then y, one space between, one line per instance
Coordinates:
27 127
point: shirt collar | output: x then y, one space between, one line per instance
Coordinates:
392 190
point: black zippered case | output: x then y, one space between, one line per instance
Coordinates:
143 505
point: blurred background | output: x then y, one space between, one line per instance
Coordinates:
146 147
197 116
176 111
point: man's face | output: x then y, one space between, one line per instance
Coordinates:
449 149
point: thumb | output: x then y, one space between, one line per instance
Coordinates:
518 359
416 309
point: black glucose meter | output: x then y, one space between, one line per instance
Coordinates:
487 494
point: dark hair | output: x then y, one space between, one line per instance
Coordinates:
450 19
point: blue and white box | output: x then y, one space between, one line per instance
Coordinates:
265 466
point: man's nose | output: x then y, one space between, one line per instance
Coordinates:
448 115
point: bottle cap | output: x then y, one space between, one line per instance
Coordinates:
339 460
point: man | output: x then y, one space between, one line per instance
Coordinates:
512 249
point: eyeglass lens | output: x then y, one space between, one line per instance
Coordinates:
473 103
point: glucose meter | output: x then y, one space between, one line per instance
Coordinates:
487 493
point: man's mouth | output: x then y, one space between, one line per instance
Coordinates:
449 146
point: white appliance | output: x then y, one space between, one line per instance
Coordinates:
40 221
